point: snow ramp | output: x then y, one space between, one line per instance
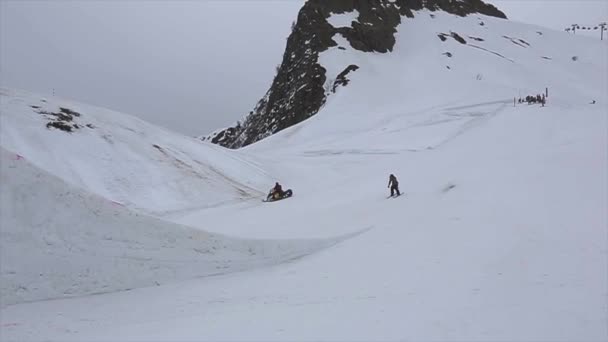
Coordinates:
58 240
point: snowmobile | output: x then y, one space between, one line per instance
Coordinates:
275 196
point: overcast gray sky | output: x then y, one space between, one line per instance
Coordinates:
192 66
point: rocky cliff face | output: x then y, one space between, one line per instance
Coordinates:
298 91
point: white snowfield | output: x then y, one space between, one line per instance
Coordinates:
501 234
125 159
78 243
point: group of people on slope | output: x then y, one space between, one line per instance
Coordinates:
393 184
530 99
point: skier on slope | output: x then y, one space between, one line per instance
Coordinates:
393 184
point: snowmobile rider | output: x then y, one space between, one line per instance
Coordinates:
278 189
393 184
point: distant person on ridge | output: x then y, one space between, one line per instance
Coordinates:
393 184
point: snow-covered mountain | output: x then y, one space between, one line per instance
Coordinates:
501 234
393 51
303 83
441 58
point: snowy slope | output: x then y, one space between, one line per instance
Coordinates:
515 250
502 233
75 200
500 60
60 241
126 159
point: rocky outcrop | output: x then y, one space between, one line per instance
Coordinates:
297 91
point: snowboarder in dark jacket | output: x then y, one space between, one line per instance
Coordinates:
393 184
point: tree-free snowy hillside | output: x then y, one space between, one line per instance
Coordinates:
440 59
123 158
60 241
77 184
501 233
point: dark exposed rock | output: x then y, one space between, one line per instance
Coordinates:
60 125
458 38
62 120
298 90
461 8
68 111
449 54
517 41
341 80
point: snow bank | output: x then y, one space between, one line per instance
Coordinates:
123 158
57 241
